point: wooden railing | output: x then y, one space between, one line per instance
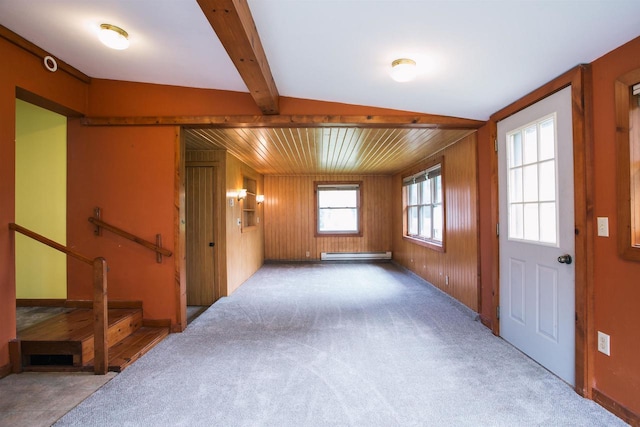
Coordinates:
100 320
156 247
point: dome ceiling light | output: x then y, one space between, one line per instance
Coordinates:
114 37
403 70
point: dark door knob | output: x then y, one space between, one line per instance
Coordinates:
211 244
565 259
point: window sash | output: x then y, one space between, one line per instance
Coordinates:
424 205
338 213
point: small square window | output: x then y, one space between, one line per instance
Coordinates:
338 208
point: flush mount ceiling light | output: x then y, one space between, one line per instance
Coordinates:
403 70
114 37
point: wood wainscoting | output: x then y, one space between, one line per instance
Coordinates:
460 261
290 218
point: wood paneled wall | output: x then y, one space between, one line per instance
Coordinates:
240 254
460 261
245 249
290 218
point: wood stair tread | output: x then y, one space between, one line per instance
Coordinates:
133 347
76 325
65 342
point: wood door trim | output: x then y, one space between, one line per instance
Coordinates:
179 234
579 78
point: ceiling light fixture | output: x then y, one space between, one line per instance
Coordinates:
114 37
403 70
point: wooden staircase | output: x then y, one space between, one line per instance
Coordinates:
64 342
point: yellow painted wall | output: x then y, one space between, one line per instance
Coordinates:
41 201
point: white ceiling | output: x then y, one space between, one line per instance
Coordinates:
475 56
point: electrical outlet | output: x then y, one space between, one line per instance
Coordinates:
604 343
308 254
446 280
603 226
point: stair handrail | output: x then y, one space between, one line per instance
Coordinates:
100 320
156 247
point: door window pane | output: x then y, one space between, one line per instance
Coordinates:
515 222
532 185
547 180
530 145
515 149
547 140
515 185
531 224
548 225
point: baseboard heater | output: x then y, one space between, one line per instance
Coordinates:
354 256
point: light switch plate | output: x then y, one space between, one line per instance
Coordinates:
603 226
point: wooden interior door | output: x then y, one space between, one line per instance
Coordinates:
200 234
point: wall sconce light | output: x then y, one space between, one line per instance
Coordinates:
242 194
259 198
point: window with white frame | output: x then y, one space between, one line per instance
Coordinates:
424 206
338 208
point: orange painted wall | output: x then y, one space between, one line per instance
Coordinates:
127 99
124 99
21 69
616 282
128 173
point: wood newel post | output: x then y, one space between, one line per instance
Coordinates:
100 319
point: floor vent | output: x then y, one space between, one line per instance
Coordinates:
354 256
51 360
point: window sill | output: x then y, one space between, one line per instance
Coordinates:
425 243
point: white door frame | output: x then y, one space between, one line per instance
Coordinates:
579 79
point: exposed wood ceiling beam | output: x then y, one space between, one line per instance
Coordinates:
400 121
234 25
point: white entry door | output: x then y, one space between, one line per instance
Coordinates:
537 274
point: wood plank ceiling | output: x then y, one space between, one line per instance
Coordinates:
325 149
339 150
